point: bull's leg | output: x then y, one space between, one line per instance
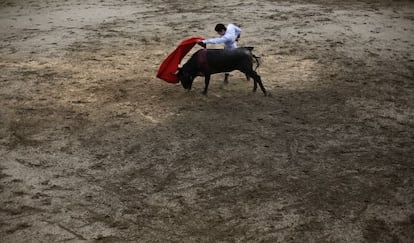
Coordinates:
257 80
247 77
254 85
226 78
207 82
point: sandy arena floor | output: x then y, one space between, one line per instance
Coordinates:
95 148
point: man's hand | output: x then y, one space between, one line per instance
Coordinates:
202 44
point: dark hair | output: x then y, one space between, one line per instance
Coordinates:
219 27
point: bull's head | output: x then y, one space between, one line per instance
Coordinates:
186 78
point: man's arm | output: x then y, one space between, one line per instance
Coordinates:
219 40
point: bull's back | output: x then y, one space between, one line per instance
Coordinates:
216 55
222 60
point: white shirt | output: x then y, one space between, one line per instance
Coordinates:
229 38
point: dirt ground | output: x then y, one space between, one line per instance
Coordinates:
95 148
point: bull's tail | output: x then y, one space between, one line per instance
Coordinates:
256 58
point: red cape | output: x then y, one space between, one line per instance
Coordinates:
169 66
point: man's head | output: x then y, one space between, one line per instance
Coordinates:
220 29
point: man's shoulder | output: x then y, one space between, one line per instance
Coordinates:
233 27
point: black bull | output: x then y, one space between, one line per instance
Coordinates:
209 61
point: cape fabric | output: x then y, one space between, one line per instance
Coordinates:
169 66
